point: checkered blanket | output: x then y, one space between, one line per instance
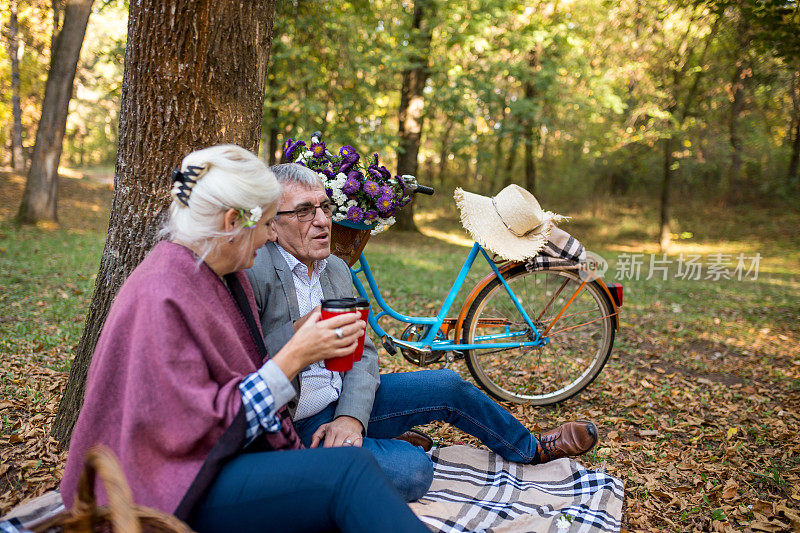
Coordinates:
561 251
477 490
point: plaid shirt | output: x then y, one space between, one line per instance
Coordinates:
259 407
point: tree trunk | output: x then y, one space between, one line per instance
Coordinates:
531 127
530 162
412 102
273 136
734 136
508 173
195 74
444 151
680 110
793 172
41 188
666 235
17 153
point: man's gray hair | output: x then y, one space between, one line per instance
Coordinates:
288 173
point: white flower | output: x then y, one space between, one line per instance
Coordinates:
256 213
563 522
351 203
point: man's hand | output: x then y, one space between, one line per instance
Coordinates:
343 431
297 324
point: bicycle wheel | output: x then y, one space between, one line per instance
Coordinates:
580 340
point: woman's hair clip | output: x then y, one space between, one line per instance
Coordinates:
183 181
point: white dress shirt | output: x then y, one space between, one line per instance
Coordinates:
319 387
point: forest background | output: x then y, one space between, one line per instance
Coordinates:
653 123
570 99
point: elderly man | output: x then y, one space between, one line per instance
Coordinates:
359 407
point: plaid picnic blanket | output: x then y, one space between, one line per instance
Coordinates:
479 491
561 251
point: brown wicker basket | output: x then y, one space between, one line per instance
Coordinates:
348 242
120 516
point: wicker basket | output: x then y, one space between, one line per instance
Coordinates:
120 516
348 240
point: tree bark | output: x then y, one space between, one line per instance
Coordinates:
412 101
195 73
17 153
41 188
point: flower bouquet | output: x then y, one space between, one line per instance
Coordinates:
364 193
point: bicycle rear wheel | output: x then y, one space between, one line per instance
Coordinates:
580 340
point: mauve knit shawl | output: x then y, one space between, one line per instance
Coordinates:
163 383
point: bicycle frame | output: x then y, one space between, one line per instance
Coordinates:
432 341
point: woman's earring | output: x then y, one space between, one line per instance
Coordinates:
230 241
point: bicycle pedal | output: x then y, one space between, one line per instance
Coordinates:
389 346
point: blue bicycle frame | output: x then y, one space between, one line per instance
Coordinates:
432 340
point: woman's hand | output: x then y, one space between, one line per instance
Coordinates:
317 339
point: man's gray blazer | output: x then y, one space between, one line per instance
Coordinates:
277 309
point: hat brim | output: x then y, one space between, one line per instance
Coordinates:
483 223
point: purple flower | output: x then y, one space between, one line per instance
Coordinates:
375 172
352 185
329 173
404 201
291 149
318 150
349 158
348 151
371 188
370 216
385 204
329 192
355 214
385 190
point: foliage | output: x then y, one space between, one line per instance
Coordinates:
697 407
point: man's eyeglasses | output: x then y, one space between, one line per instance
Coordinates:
308 212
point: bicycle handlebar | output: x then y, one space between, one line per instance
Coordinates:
422 189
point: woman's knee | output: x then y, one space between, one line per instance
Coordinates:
417 477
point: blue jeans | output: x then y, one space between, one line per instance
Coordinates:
331 489
410 399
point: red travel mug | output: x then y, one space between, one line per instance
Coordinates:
331 308
362 306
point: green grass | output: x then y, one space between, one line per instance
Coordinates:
46 281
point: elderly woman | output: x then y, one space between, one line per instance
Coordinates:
177 384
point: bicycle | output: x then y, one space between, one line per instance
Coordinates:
516 330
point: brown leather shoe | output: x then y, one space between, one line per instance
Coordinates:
417 438
573 438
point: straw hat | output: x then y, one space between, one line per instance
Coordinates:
511 224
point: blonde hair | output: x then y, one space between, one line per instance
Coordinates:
227 176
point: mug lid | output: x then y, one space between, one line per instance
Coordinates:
361 303
338 303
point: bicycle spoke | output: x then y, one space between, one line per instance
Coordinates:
580 337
